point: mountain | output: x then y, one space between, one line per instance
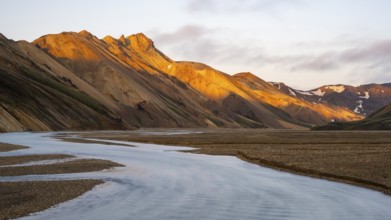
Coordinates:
363 100
75 81
306 111
31 99
379 120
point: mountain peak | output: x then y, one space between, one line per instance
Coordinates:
140 41
110 40
86 34
245 75
123 40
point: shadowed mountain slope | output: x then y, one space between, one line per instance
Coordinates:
379 120
31 99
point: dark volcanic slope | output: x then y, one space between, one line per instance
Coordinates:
30 99
379 120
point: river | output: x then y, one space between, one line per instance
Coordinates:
158 182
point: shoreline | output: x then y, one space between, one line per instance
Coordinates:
22 198
355 157
316 174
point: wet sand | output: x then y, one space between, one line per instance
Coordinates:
31 158
19 199
75 166
4 147
360 158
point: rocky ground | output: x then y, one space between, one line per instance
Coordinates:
18 199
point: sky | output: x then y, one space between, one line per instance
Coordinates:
303 43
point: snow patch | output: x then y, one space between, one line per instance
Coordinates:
338 89
304 92
359 107
292 92
275 83
318 92
366 96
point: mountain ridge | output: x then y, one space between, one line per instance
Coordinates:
138 86
362 99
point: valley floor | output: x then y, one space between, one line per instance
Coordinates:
361 158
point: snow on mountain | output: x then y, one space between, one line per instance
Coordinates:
366 96
292 92
304 92
359 108
338 89
318 92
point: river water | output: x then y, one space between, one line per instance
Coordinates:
160 183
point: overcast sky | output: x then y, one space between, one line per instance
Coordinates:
304 43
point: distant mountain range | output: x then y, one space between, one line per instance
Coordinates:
364 99
75 81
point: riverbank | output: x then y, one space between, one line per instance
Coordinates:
203 186
19 199
355 157
4 147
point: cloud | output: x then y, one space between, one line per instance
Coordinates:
303 62
370 56
379 51
186 33
202 5
195 42
359 62
213 6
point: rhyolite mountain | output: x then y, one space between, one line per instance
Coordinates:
364 99
75 81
